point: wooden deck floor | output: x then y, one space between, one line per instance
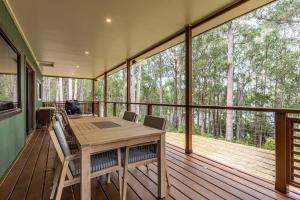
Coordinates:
256 161
192 177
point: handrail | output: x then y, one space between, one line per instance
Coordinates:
88 107
242 108
146 104
60 102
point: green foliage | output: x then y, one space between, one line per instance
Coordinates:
8 87
270 143
266 74
197 130
181 128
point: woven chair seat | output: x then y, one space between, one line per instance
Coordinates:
141 153
98 162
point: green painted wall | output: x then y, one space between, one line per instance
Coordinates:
12 130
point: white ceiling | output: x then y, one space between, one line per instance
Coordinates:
62 30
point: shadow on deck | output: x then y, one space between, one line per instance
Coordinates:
192 177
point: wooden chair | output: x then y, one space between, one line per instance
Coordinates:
130 116
64 124
143 154
69 165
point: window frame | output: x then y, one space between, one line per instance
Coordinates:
11 112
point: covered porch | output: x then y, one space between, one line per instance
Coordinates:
222 75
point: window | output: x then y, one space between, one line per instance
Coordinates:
10 98
39 89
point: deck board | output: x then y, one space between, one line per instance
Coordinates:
192 177
256 161
21 188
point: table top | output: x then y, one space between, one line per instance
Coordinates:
87 133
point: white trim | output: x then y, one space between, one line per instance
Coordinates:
12 14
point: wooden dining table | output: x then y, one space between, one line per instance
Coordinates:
99 134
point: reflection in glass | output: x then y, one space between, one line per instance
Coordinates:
8 77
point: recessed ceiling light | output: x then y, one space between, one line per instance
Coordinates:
86 53
77 66
108 20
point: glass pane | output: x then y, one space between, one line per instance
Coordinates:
8 77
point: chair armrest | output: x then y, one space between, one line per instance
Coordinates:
72 157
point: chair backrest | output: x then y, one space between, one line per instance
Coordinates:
65 116
155 122
59 133
130 116
59 119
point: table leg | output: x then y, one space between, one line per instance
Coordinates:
162 186
85 173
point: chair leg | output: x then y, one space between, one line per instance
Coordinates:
55 180
147 166
120 173
168 177
120 183
61 181
125 174
108 178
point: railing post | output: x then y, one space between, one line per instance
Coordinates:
105 94
93 108
149 109
93 93
188 90
114 109
128 85
98 108
281 152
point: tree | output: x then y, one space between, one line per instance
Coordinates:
229 114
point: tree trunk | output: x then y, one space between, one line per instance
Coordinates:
160 86
80 90
14 88
229 115
75 89
70 89
138 88
124 89
60 89
57 90
175 117
132 89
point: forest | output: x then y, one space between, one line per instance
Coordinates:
8 87
253 60
250 61
62 89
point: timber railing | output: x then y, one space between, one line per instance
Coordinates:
87 107
287 134
293 151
